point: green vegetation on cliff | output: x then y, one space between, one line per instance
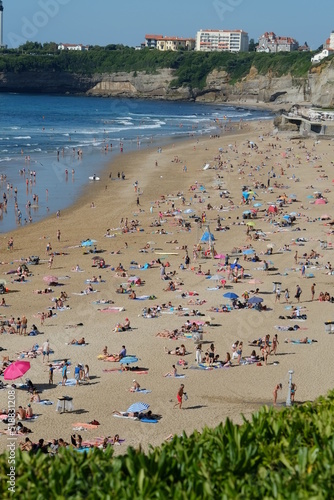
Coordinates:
277 455
191 68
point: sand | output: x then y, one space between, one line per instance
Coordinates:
213 395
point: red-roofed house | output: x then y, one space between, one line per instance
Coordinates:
271 43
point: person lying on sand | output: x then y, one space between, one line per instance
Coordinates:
77 342
178 351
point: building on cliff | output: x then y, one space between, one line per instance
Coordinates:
164 43
72 46
271 43
328 50
222 41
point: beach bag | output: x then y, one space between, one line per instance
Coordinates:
185 395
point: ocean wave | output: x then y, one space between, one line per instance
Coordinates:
22 137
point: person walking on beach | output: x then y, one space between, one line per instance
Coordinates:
293 392
298 293
179 397
313 291
277 388
64 374
278 294
51 370
46 350
274 344
286 295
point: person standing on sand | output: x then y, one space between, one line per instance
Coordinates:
277 388
312 291
298 293
46 350
179 397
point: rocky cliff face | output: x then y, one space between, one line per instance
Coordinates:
316 88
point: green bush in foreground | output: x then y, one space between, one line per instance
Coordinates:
275 455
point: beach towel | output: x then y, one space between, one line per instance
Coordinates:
69 382
175 376
125 415
148 421
79 345
84 293
111 309
84 425
142 391
45 402
309 341
142 297
213 288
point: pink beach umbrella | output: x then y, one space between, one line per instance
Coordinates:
16 370
320 201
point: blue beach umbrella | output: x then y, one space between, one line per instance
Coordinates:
255 300
287 217
138 407
127 360
233 266
231 295
246 212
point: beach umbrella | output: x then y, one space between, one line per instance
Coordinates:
320 201
50 279
16 370
128 360
230 295
238 266
88 243
272 209
255 282
207 237
246 212
3 282
270 245
248 251
138 407
287 217
255 300
188 211
256 205
293 214
250 224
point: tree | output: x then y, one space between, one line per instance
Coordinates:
252 45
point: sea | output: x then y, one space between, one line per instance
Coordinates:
50 145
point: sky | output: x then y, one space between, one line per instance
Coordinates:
103 22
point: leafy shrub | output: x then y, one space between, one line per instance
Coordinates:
276 454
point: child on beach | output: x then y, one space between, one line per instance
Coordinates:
277 388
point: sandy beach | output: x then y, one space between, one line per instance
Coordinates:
250 158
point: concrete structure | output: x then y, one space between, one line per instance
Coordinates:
1 24
72 46
310 120
164 43
271 43
222 41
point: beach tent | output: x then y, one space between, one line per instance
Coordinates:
273 209
207 237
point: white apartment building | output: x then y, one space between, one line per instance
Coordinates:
222 41
164 43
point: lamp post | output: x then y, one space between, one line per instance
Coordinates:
288 399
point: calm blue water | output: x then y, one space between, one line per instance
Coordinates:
34 127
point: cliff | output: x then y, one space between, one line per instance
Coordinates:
316 88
